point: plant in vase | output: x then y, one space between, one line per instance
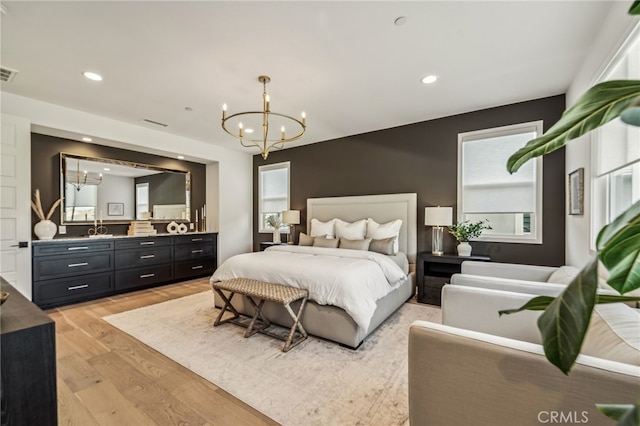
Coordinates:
45 229
275 222
466 231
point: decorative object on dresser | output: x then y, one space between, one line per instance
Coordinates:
142 227
291 218
45 229
434 271
28 362
466 231
438 218
264 119
69 271
172 227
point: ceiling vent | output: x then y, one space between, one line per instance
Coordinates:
7 74
157 123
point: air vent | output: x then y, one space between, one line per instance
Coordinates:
7 74
157 123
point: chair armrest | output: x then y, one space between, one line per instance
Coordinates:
507 284
508 270
476 309
463 377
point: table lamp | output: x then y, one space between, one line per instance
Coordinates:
291 218
438 218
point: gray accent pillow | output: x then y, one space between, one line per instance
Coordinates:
354 244
325 242
305 240
383 246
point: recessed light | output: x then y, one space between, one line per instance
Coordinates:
92 76
249 130
86 139
180 157
401 20
429 79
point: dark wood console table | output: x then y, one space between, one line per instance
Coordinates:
28 364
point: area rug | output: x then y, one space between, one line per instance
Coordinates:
315 383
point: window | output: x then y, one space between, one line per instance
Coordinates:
142 199
616 150
511 202
273 193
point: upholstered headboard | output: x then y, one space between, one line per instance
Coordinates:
381 208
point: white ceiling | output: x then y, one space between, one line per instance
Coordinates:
346 64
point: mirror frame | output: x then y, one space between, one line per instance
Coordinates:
63 171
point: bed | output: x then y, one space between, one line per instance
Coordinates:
284 264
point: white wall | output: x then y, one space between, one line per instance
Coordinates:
229 191
615 29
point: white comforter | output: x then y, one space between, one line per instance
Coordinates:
350 279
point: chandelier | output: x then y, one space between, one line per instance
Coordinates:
78 181
265 143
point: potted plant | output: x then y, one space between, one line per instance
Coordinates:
466 231
275 222
565 319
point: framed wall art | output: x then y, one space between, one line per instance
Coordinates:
576 192
115 209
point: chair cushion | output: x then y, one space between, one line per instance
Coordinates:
563 275
614 334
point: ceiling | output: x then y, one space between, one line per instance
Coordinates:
346 64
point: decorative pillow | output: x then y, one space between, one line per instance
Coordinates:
378 231
355 244
614 334
384 246
305 240
563 275
322 229
325 242
351 231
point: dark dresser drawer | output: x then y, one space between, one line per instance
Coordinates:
138 242
194 238
194 251
49 267
141 277
70 289
76 247
194 268
143 256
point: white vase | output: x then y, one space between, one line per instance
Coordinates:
45 229
276 236
464 249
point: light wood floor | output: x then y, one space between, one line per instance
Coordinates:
106 377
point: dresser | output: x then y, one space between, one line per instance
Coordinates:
28 358
72 270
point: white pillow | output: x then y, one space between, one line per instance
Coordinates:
322 229
614 334
563 275
378 231
351 231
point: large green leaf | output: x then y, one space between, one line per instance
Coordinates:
635 8
596 107
625 414
618 247
564 323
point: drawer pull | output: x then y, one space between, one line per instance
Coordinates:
147 275
148 256
78 287
196 239
74 265
147 243
77 248
197 267
196 251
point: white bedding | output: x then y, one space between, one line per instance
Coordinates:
350 279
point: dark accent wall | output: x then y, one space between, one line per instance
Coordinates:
164 188
45 175
422 158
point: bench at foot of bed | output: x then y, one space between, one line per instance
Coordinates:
262 291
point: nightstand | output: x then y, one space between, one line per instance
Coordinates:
265 244
433 272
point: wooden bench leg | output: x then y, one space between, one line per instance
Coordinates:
227 307
251 329
290 343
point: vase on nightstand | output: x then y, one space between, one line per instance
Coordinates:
276 236
464 249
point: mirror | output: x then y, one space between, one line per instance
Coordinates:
116 191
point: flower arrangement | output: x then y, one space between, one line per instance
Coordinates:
465 231
274 221
37 206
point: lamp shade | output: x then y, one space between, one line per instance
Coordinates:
291 217
438 216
